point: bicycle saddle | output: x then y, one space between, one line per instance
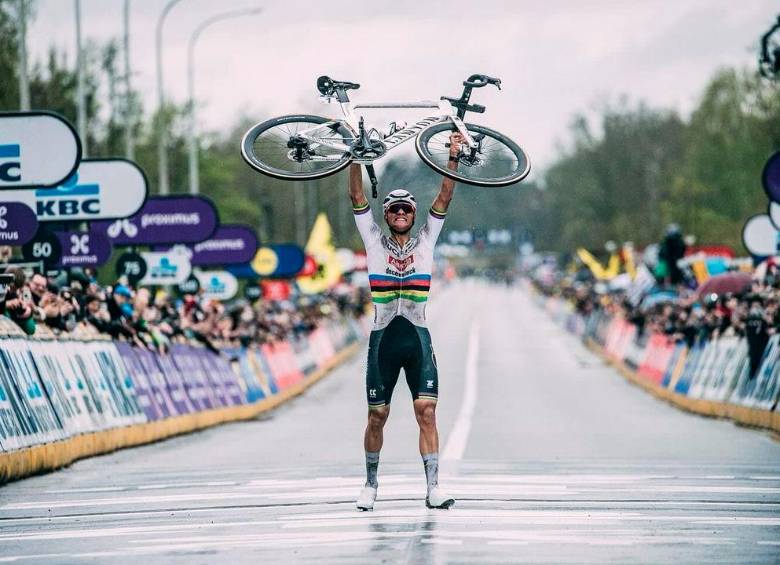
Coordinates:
327 86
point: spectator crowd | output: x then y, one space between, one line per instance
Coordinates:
79 306
675 307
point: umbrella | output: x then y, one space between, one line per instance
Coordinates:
735 283
659 297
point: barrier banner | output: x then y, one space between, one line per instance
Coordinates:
38 421
281 359
169 393
192 387
147 399
304 355
241 366
111 409
10 428
184 358
220 368
73 411
321 347
79 393
171 383
724 382
634 348
762 390
54 388
711 369
676 366
15 427
264 374
692 361
658 355
118 379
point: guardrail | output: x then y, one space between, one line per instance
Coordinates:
711 378
64 399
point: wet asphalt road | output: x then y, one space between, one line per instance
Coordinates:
551 455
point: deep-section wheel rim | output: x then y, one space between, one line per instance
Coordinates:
265 148
500 161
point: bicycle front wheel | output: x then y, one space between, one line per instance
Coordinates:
298 147
497 161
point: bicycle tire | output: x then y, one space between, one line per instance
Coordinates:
439 164
250 138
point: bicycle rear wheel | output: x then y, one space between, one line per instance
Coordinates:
276 149
498 161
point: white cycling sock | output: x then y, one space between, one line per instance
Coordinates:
372 466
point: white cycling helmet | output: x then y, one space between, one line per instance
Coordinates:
399 195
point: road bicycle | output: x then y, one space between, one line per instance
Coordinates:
306 147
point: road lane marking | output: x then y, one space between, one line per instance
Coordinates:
456 443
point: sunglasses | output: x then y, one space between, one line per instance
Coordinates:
396 208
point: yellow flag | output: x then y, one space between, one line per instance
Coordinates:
612 270
320 246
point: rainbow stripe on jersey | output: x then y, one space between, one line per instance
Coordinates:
386 288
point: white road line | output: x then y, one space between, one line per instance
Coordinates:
456 443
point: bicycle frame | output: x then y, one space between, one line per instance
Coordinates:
352 121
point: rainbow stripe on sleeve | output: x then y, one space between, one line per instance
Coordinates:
359 209
386 288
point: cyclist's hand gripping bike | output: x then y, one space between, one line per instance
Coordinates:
303 147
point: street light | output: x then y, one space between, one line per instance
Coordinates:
81 110
24 83
162 134
192 141
129 144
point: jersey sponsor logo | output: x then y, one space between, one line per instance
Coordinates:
390 271
400 264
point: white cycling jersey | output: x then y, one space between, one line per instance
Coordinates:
400 277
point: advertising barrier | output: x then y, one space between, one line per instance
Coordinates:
711 377
55 390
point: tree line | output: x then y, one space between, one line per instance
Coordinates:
620 174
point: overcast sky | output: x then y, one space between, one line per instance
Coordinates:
555 57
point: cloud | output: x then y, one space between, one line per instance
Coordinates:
555 57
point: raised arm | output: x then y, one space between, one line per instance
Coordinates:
442 201
356 187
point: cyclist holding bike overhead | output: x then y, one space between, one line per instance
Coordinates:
399 272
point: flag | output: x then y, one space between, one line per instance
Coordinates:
320 246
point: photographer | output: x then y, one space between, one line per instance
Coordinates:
18 304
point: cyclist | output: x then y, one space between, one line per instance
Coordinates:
399 272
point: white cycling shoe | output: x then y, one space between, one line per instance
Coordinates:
366 499
438 499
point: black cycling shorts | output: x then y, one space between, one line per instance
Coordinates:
400 345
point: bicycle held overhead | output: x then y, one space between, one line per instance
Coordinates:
306 147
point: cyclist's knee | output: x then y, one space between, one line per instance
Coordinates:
378 416
425 411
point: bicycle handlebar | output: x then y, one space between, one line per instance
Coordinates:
478 81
